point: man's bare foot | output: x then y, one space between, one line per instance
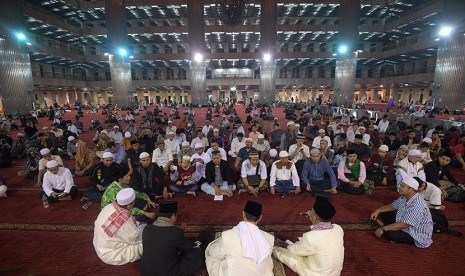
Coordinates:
309 188
84 199
332 191
3 195
191 193
170 195
241 191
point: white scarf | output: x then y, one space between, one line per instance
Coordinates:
254 244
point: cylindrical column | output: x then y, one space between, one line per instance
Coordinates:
16 85
120 66
196 28
268 37
346 63
448 87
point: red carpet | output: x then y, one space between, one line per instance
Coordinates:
58 240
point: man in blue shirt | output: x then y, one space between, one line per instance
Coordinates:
407 219
313 175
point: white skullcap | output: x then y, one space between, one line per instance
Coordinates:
3 189
414 153
403 147
185 143
290 123
275 118
186 157
248 139
127 134
283 154
143 155
107 155
170 133
44 151
19 134
71 138
104 131
362 127
315 151
44 128
198 145
384 148
321 131
261 136
411 182
427 140
455 124
273 153
297 125
51 164
126 196
216 130
116 127
189 124
170 122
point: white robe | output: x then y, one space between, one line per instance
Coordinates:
224 257
124 247
319 252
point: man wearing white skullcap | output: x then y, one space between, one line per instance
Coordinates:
253 175
116 135
127 139
313 175
283 176
58 183
410 167
117 238
407 219
380 167
321 135
261 145
172 144
46 156
186 150
200 159
71 147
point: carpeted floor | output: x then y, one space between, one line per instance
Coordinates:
58 240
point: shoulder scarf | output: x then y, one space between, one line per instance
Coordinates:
355 168
116 220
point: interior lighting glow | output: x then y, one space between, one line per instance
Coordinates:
198 57
267 57
445 31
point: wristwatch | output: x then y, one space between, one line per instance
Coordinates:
382 229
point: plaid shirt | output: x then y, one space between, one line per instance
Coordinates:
116 220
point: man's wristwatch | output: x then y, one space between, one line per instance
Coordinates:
382 229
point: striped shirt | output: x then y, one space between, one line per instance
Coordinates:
415 213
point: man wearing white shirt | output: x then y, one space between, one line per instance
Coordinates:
430 193
200 139
206 128
171 127
284 177
383 124
116 135
172 144
237 144
72 128
129 117
240 129
365 136
261 144
162 156
46 156
253 175
58 183
316 141
351 132
199 159
215 146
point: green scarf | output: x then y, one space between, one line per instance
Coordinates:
355 169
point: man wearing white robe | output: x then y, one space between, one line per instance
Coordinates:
117 238
319 251
244 250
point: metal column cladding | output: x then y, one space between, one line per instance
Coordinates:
16 85
196 25
268 38
346 63
120 67
448 88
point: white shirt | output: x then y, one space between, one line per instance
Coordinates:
284 174
432 195
317 140
351 134
366 139
199 167
202 140
300 155
247 169
43 162
206 129
236 145
265 146
172 145
129 117
382 126
181 138
117 136
222 152
63 180
240 129
73 129
162 158
171 129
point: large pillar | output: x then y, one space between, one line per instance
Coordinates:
120 66
196 23
346 61
16 85
448 87
268 38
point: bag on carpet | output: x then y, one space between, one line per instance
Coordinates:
455 194
440 223
375 174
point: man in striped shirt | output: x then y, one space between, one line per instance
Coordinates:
407 219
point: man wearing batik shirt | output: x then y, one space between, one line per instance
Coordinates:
407 219
117 238
313 175
243 153
284 177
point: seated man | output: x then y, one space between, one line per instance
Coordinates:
299 153
400 154
243 153
407 219
148 178
103 174
438 172
186 150
431 194
352 175
140 205
261 145
118 152
215 146
166 249
321 136
172 144
200 139
71 147
58 183
237 144
319 251
243 250
313 175
117 238
46 156
218 176
253 175
184 177
363 151
284 177
162 156
410 167
380 167
200 159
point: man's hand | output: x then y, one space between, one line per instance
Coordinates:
443 194
384 181
280 243
297 191
217 190
379 232
165 193
150 203
99 187
54 195
179 183
462 186
39 183
374 215
272 191
150 215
